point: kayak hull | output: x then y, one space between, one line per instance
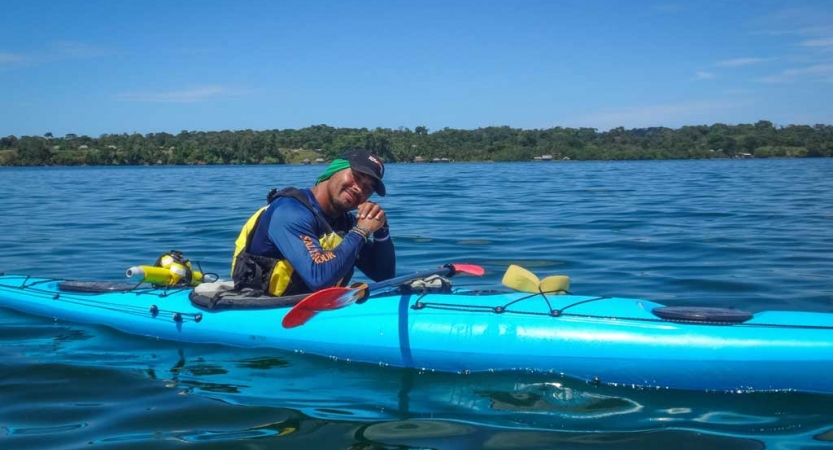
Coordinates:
606 340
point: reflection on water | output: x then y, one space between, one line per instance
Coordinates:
264 363
373 407
45 430
277 429
444 435
566 402
320 401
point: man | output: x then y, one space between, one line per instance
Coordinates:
307 239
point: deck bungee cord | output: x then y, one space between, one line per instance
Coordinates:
89 299
559 312
68 288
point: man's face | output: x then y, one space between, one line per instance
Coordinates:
348 189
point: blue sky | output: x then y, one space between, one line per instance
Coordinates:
116 66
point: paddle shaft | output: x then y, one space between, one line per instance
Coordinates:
447 269
340 297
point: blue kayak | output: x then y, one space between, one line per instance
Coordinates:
606 340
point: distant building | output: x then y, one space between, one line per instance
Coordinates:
305 161
319 160
546 157
418 159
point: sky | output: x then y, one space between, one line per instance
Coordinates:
98 67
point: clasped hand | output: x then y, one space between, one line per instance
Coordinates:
371 216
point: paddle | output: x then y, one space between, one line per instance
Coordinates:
340 297
520 279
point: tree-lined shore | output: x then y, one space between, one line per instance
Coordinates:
759 140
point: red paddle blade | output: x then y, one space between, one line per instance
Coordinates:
331 298
470 269
323 300
297 317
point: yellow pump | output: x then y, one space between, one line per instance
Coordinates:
161 276
169 270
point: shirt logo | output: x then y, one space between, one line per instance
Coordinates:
315 253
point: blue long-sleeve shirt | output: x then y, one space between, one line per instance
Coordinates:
293 234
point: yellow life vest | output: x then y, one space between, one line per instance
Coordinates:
259 269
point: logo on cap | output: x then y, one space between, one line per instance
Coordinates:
378 163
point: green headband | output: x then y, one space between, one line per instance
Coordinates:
335 166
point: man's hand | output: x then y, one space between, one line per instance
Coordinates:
371 216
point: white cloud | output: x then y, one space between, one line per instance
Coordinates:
823 42
75 50
812 70
818 72
822 30
13 58
670 7
657 115
192 95
741 62
701 75
58 51
775 79
737 91
796 20
811 24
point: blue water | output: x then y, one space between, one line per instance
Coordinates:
752 234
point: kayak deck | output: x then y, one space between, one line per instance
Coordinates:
607 340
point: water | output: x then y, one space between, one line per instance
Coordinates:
753 234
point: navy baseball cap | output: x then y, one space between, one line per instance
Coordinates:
368 164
